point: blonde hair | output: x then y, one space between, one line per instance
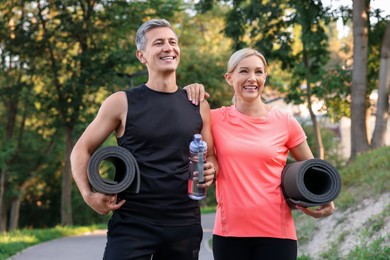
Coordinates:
242 54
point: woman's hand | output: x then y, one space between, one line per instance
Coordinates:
322 212
196 93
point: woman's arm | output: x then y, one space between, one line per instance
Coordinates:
302 152
196 93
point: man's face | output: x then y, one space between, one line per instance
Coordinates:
162 52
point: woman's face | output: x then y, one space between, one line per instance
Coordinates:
248 78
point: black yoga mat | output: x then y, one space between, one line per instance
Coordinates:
127 175
310 183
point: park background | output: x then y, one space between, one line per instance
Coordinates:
329 65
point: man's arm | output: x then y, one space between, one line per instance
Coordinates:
110 118
211 167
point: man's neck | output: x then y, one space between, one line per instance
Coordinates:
162 83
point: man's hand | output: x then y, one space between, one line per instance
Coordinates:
196 93
103 203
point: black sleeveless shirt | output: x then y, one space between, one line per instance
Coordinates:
159 128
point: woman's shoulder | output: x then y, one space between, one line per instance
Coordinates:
278 113
222 109
220 112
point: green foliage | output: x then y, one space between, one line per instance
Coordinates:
336 91
58 61
313 55
205 52
330 141
38 182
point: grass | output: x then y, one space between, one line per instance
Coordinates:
15 241
209 209
366 177
377 250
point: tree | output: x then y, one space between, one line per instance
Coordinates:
365 78
205 51
379 134
359 79
270 26
312 17
16 95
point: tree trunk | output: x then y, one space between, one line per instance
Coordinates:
382 112
14 216
359 139
320 152
11 110
2 208
3 217
317 134
66 193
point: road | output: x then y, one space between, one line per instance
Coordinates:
91 246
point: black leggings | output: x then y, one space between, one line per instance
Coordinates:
254 248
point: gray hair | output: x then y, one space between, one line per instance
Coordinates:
242 54
140 38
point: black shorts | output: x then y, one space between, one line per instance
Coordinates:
254 248
131 239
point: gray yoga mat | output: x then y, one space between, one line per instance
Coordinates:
127 175
310 183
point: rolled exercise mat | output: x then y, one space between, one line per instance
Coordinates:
127 175
310 183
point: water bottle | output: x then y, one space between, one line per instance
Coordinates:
198 150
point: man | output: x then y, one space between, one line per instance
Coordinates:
156 123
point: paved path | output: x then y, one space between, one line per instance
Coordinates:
91 246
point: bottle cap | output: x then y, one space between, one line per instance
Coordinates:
198 145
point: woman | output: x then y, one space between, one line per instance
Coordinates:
252 141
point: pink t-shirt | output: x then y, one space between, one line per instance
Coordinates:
251 155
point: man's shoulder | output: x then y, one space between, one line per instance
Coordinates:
135 93
116 97
137 89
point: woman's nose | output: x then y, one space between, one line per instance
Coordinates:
251 77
